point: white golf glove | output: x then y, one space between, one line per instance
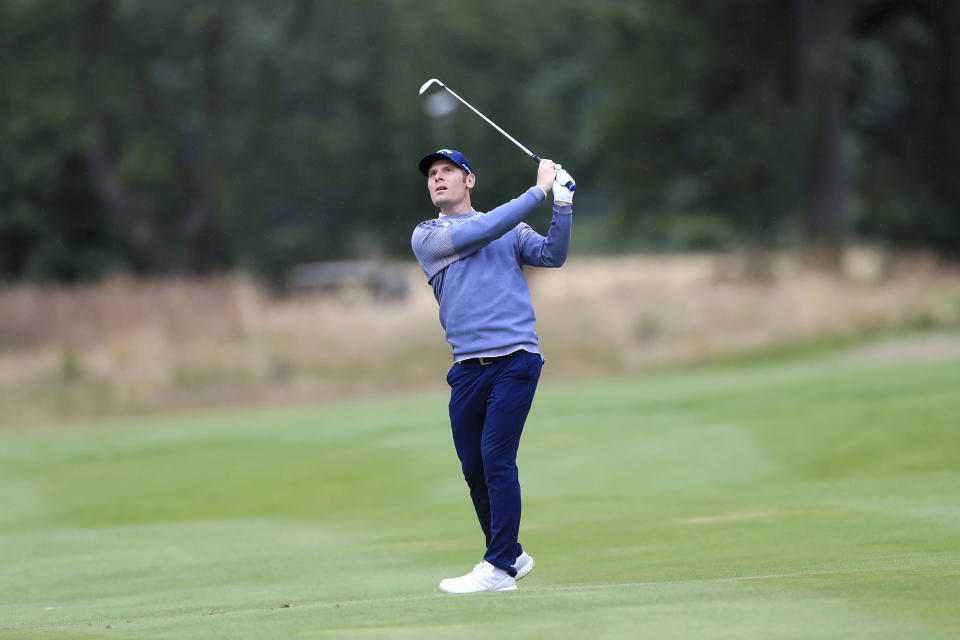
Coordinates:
561 193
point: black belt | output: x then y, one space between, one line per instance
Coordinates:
484 361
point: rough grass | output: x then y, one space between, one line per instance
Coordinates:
128 346
812 497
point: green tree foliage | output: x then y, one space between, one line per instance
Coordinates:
696 99
184 136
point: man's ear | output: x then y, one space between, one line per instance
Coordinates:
471 180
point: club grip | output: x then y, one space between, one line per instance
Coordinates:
570 184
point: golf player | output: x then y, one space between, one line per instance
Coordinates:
474 262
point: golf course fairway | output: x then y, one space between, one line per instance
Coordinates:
810 497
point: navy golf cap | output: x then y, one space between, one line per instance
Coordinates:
455 157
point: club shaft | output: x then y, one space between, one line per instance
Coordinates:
570 184
492 124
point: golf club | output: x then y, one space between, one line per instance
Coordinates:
426 85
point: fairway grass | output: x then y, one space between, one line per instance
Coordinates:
815 497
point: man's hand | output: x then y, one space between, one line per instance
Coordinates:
561 194
546 175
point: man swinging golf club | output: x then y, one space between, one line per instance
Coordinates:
474 262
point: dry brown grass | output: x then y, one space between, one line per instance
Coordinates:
130 345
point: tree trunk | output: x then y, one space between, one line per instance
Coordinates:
199 230
822 43
946 18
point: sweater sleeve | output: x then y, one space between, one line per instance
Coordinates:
440 242
551 251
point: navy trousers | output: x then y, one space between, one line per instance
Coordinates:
488 407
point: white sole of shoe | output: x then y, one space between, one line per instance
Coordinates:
512 587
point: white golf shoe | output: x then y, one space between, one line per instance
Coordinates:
524 565
484 577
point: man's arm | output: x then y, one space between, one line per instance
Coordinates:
439 243
551 251
483 229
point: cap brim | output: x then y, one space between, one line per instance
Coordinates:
429 159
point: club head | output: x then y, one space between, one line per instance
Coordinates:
426 85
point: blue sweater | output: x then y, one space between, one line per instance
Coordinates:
474 262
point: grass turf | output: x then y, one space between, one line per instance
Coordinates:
805 498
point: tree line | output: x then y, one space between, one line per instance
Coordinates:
184 137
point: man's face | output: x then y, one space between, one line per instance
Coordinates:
449 184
